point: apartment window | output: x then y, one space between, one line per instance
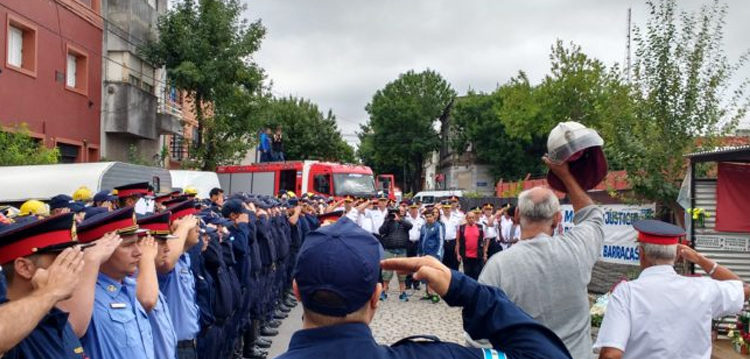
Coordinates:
15 46
176 148
134 80
76 70
70 74
68 153
21 46
148 88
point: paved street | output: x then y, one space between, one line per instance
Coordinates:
394 320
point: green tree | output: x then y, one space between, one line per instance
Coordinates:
476 125
684 95
308 133
20 149
207 49
401 125
579 88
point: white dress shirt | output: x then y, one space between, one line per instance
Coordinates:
451 226
416 226
377 217
665 315
489 231
353 214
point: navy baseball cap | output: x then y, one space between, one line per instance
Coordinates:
233 206
103 196
338 268
60 201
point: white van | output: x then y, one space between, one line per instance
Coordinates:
203 181
432 197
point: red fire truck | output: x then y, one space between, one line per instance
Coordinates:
386 183
326 178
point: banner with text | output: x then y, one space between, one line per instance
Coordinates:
619 236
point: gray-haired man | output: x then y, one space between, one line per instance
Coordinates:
548 276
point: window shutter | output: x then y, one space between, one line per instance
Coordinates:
15 47
70 79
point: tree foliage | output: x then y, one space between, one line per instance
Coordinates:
207 49
476 126
20 149
508 128
308 133
683 95
400 132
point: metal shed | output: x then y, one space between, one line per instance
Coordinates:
729 249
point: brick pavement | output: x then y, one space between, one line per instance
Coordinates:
395 320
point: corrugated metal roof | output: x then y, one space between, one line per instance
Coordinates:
732 153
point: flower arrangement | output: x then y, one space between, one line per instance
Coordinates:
741 337
699 215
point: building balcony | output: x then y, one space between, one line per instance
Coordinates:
169 116
130 110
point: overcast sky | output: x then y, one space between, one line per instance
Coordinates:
339 52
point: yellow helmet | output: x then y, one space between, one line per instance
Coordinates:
291 194
35 207
190 190
83 193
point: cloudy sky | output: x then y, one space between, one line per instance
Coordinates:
339 52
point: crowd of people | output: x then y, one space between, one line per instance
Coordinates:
130 274
441 230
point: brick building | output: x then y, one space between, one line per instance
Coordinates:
50 75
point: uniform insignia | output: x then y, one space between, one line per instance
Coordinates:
111 288
492 354
78 350
118 305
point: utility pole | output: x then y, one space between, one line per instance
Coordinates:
627 48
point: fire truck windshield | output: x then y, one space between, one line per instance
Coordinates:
354 184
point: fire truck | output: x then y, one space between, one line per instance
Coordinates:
386 183
271 178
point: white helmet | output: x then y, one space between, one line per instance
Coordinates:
570 138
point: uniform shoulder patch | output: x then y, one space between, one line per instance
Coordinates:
417 338
492 354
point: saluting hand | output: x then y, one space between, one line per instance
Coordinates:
688 254
426 268
149 249
61 278
103 248
188 221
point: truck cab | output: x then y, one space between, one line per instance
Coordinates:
386 183
326 178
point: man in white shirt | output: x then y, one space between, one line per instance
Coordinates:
364 221
451 222
489 224
546 275
662 314
377 215
456 208
416 220
511 230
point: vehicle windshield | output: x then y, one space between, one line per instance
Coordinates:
354 184
385 183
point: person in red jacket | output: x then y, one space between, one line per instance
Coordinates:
469 249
